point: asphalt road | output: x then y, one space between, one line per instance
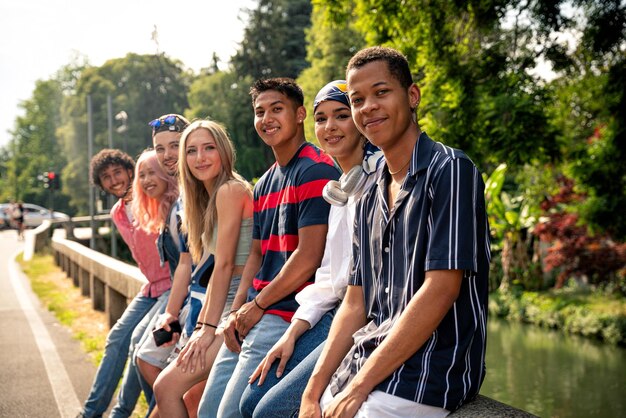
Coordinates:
43 371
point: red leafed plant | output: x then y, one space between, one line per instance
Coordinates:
575 251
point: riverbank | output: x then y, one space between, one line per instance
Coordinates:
575 310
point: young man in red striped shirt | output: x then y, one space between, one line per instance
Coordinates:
290 225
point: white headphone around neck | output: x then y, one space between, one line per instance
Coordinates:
337 192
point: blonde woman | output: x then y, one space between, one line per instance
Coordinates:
218 221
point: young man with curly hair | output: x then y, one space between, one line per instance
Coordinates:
112 171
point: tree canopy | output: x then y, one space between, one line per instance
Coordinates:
476 63
143 86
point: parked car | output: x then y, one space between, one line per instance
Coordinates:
5 216
34 215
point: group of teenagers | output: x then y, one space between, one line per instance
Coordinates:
350 281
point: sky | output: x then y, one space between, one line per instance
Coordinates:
38 37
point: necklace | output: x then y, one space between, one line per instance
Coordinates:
393 173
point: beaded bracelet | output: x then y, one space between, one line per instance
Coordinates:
259 306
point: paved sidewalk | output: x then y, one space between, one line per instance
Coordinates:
44 372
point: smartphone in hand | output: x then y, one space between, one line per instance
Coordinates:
162 336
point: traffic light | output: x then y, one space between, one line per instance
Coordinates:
51 180
46 180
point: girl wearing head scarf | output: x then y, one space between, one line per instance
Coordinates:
276 387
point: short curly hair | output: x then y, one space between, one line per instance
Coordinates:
105 158
283 85
396 62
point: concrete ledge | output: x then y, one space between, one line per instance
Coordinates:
486 407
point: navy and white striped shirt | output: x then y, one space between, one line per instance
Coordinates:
438 222
287 198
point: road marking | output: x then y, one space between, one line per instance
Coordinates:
62 388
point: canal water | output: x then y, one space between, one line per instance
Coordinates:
551 374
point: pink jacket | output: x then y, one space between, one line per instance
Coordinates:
144 250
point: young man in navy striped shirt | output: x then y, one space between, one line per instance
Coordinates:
409 338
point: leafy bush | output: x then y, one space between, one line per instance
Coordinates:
575 252
511 217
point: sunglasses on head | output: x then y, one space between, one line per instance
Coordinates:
168 121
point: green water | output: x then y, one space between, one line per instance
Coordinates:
551 374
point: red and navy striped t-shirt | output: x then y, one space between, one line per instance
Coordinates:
287 198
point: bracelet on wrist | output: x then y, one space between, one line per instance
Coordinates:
259 306
206 324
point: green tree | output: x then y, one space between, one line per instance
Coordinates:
330 45
591 104
471 67
223 97
273 44
144 86
512 216
34 147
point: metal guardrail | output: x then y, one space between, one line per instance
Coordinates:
110 283
87 218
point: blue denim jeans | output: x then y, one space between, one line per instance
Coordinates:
280 398
133 382
231 371
116 351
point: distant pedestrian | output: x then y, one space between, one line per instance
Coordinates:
17 217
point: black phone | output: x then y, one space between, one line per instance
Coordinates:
175 327
161 336
239 340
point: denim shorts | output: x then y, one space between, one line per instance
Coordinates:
162 356
153 354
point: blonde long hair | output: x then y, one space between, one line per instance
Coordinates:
200 210
151 214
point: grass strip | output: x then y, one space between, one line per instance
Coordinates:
58 294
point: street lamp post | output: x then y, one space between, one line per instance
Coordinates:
122 116
92 223
110 130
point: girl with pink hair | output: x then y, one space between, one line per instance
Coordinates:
155 192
